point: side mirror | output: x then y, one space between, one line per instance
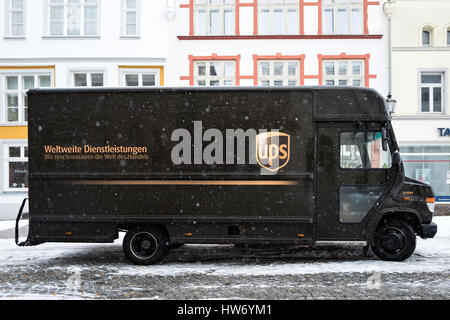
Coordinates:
384 139
396 159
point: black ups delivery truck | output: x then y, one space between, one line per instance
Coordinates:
220 165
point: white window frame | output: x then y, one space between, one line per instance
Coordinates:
286 6
208 78
207 7
88 77
336 6
443 73
9 10
7 159
285 78
447 36
65 4
349 77
139 72
126 10
20 91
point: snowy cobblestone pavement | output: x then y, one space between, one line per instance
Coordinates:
100 271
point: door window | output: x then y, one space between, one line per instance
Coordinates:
363 150
356 201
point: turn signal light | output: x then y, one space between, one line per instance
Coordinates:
430 204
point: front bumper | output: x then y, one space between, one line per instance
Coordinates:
428 230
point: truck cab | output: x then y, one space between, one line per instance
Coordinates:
358 157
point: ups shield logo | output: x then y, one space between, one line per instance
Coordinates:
272 150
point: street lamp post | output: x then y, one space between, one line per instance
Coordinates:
391 103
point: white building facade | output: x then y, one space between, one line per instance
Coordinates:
420 84
281 42
110 43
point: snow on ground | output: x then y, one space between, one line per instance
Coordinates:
10 224
431 255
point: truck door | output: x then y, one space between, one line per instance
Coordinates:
352 173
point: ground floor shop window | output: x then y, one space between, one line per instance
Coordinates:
15 167
429 164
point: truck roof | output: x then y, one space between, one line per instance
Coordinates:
332 103
205 88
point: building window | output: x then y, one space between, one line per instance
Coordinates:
426 37
15 18
343 16
448 36
278 73
73 17
431 92
130 18
214 17
13 93
87 79
215 73
16 167
278 17
343 73
355 201
147 77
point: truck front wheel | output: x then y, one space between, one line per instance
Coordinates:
146 244
394 240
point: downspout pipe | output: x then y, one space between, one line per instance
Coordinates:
390 53
388 8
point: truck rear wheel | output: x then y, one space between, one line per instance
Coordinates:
146 244
395 240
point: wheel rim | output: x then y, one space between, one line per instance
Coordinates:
392 240
143 245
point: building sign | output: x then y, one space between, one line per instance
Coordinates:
443 132
442 198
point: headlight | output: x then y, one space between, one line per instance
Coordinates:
430 204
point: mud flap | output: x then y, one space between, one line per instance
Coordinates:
19 215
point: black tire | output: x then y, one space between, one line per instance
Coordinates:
146 245
394 240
